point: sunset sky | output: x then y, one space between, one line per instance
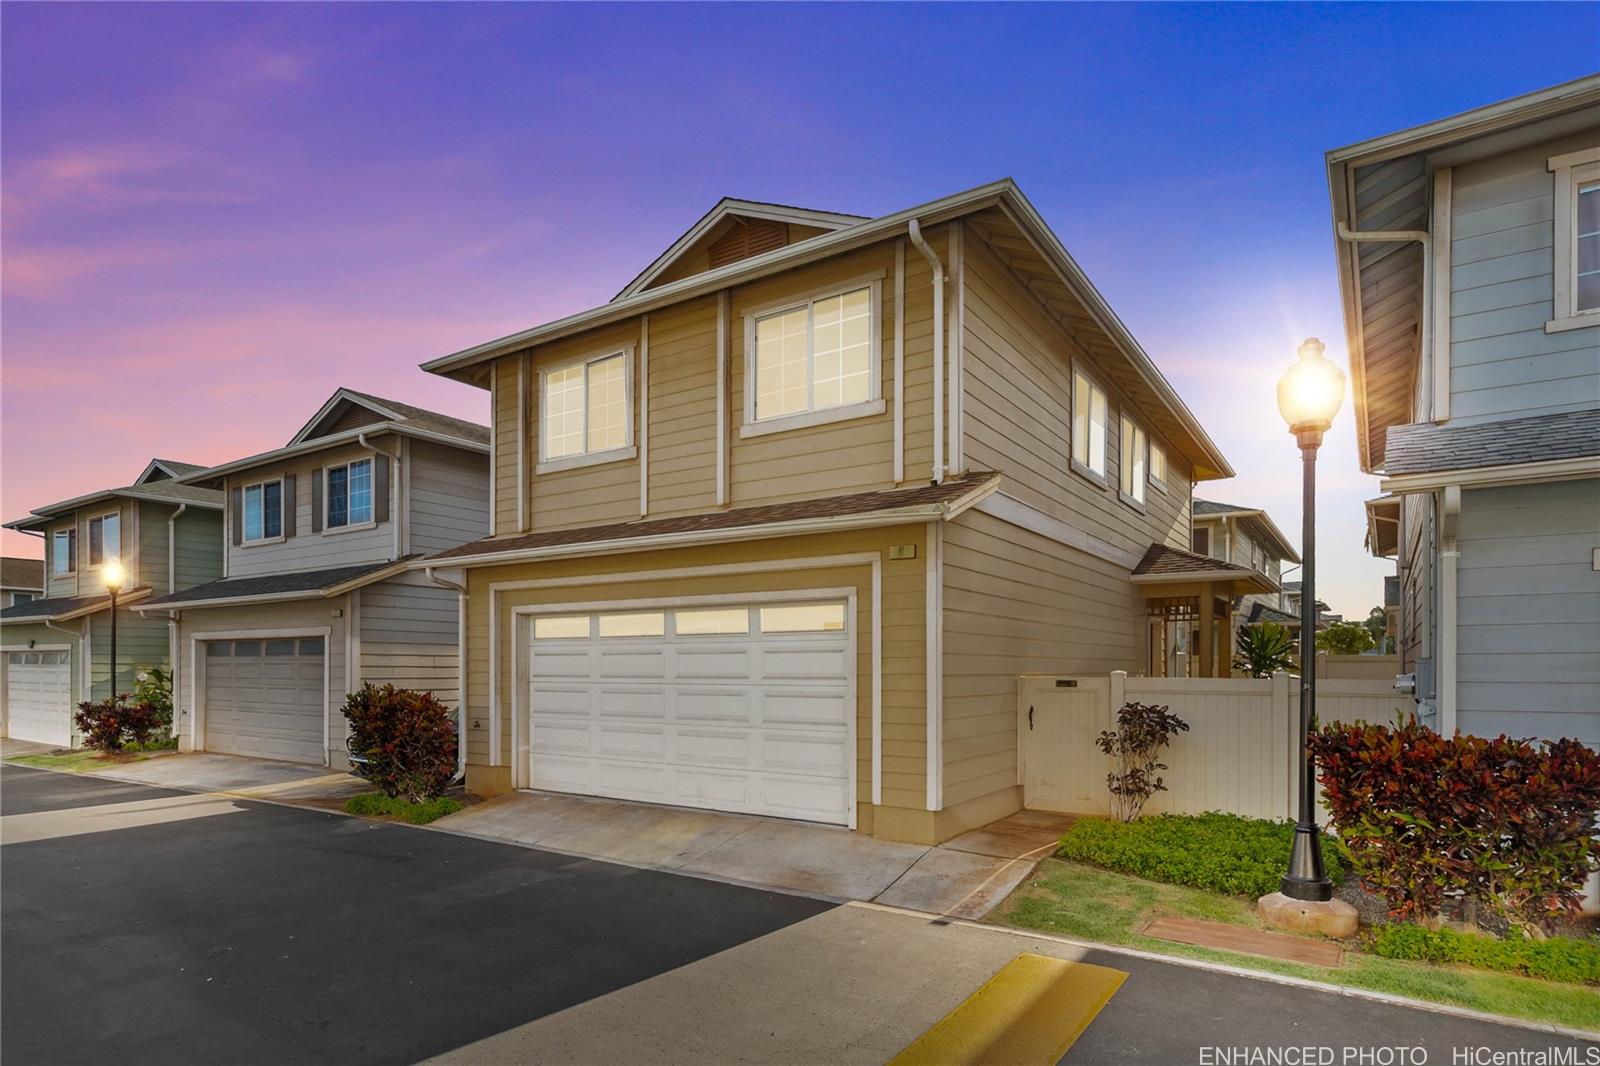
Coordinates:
213 216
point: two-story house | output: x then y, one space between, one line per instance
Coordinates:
314 595
1469 263
21 580
1248 536
777 528
56 649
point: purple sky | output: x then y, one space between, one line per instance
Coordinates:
214 215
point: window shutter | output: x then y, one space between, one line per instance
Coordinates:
238 517
316 500
72 549
380 488
291 511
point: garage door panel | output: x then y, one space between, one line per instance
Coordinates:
755 722
39 696
266 699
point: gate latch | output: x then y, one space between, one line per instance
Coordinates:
1030 718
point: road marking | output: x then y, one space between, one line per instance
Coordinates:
1029 1012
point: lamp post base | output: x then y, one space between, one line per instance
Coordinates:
1327 917
1307 879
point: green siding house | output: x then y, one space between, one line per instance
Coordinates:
55 650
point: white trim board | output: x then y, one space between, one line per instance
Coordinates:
1014 512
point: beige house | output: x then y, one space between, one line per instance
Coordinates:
778 528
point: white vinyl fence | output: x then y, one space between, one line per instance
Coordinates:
1241 753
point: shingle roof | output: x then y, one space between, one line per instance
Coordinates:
1426 447
927 497
1205 507
158 491
19 573
57 606
1260 612
1162 560
422 418
179 469
309 582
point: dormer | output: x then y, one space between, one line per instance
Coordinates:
731 231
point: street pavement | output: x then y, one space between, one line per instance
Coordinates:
144 925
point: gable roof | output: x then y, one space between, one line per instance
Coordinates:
1255 518
1033 252
725 209
166 490
1386 184
390 411
1163 564
19 573
162 469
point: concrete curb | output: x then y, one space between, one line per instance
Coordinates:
1088 945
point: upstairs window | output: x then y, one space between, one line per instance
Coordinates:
349 489
1158 466
1090 426
1577 240
813 357
584 407
263 511
1132 462
105 538
1587 288
1200 541
63 552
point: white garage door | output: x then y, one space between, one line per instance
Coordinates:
265 698
39 696
736 708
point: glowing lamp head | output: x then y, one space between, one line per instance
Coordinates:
112 575
1310 392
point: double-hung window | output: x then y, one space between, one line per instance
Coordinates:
1090 426
63 552
584 409
1132 462
263 511
1577 240
105 538
1158 466
349 489
814 360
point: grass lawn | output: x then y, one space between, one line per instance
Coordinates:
1092 904
76 761
377 805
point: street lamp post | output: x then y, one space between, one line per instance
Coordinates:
112 576
1309 395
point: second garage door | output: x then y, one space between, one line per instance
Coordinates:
39 696
265 698
741 708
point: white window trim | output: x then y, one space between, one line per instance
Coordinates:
1138 430
628 450
244 525
327 484
72 562
874 404
1159 484
1079 466
1570 170
88 527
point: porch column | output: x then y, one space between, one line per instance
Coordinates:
1208 607
1225 640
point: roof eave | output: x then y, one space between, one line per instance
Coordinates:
327 592
335 440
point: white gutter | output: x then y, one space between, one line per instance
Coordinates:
396 503
1405 236
914 231
172 547
461 669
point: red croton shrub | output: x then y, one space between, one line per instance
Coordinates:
401 740
1508 823
107 725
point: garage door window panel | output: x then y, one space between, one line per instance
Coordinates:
803 618
561 627
713 621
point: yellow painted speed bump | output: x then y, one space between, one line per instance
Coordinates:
1030 1012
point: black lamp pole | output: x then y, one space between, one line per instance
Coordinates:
112 589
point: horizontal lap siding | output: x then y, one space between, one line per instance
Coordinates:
307 550
201 543
448 492
904 632
85 581
683 408
1502 362
141 642
504 418
1016 603
1533 670
1025 432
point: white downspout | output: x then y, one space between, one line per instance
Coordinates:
172 547
395 488
461 669
915 233
1402 236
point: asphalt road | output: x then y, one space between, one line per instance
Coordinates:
141 925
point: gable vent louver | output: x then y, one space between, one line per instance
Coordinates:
747 238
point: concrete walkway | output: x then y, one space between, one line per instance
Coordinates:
965 877
233 775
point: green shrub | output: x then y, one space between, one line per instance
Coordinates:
1216 852
1555 959
377 805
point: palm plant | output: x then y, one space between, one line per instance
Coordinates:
1264 649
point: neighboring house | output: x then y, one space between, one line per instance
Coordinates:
1291 605
777 529
314 596
21 580
1248 536
57 648
1471 286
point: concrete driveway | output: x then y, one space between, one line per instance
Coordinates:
147 925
